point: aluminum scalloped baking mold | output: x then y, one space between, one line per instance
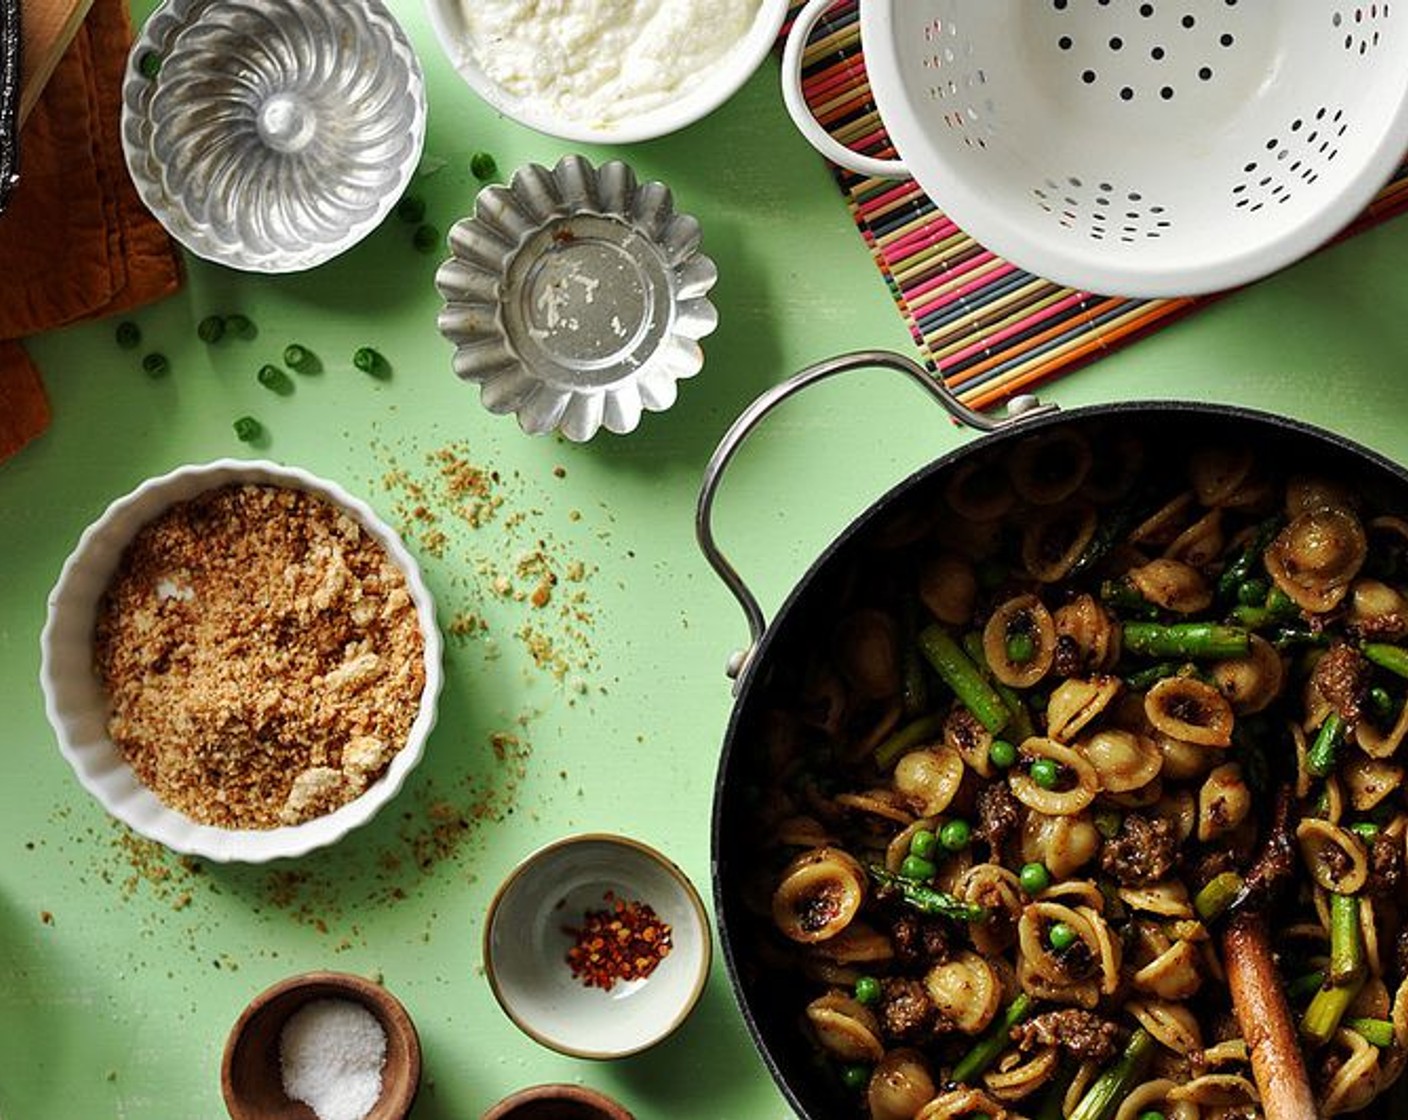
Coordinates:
576 298
272 135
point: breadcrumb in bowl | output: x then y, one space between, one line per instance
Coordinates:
307 714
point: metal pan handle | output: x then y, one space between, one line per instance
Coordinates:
1018 408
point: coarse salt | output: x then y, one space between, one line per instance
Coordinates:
331 1053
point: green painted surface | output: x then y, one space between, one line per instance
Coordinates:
121 969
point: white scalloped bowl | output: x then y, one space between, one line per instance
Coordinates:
697 98
77 705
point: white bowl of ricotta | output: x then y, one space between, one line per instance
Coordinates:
606 71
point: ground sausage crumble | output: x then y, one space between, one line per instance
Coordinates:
262 655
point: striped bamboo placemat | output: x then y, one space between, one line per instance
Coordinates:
988 327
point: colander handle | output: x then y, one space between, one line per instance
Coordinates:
1018 408
801 113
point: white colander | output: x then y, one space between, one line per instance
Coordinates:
1152 148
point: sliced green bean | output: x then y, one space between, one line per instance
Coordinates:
957 671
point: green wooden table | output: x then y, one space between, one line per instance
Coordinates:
122 968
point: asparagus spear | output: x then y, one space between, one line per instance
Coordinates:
906 738
1020 728
1328 1007
987 1049
1320 758
1196 640
958 672
1385 656
1241 565
928 900
1103 1098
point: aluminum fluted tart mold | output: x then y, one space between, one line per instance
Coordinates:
576 298
272 135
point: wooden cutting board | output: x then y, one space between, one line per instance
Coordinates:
46 29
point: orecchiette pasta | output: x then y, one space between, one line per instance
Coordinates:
1069 732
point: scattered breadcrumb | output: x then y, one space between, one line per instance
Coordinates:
263 657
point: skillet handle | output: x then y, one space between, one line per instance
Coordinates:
1018 408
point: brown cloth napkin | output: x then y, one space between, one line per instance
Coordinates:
76 241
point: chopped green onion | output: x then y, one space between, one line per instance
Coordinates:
128 335
248 429
299 358
368 360
211 329
156 365
275 379
483 166
239 325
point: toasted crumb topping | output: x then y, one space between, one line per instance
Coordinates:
262 654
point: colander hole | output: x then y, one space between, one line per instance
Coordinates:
1126 94
1107 187
1226 39
1205 73
1146 10
1116 43
1135 196
1157 54
1088 76
1166 93
1073 181
1065 42
1188 21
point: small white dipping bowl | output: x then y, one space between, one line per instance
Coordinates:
696 99
77 705
526 943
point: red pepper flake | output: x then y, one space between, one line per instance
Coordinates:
625 941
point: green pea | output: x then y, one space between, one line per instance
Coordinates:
1021 647
868 990
916 867
156 365
411 208
128 335
855 1076
1002 754
1381 701
955 835
483 166
1046 772
426 238
1034 878
1061 936
1253 592
923 843
211 329
248 429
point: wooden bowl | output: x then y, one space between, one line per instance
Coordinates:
250 1075
557 1102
